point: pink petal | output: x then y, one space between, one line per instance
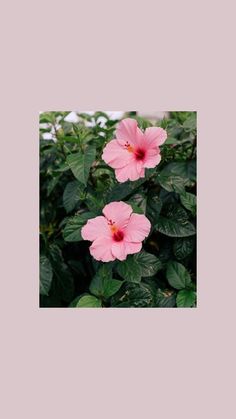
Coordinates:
119 250
132 248
95 228
152 158
155 136
142 173
118 212
127 130
138 228
101 249
121 174
133 171
116 155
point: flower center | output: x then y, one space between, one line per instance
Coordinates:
118 236
139 154
113 229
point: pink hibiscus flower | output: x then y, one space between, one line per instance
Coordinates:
116 234
133 150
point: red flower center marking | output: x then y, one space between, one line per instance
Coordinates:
139 154
118 236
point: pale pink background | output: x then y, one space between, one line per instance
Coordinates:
140 363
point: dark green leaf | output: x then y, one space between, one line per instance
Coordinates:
154 205
190 124
165 298
138 203
184 169
186 298
95 202
133 295
172 183
135 207
80 164
148 263
63 276
102 284
72 230
177 275
45 275
62 168
52 184
129 269
183 247
122 190
175 223
111 287
188 200
71 195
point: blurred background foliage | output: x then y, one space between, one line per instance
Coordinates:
75 184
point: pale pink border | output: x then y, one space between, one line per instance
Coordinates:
117 363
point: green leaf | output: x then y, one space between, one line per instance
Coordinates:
133 295
186 298
102 284
72 230
154 206
183 247
89 301
184 169
171 140
172 183
138 202
63 167
142 122
190 123
95 202
69 139
177 275
122 190
135 207
148 263
129 269
74 303
46 117
189 201
63 277
111 287
52 184
165 298
71 195
175 223
46 274
80 164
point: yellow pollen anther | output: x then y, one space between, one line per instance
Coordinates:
130 149
114 229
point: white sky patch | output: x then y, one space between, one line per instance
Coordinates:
73 117
47 136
